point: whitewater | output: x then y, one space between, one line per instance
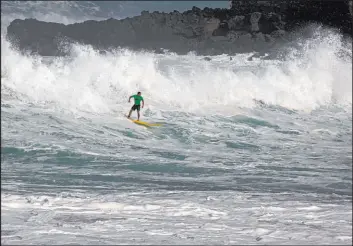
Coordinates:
251 151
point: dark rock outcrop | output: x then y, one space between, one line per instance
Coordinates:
249 26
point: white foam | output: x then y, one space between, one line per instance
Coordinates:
344 238
311 208
102 83
150 217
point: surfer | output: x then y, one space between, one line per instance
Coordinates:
138 98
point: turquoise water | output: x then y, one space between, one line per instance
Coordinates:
52 152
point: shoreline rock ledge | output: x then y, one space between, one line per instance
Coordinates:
247 26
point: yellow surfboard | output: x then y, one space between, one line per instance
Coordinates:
142 123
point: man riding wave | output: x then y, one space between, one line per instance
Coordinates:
138 98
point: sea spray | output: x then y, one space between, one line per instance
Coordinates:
316 73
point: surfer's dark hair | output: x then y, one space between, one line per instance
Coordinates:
139 92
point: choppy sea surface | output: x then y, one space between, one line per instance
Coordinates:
249 152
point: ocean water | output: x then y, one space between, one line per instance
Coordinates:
250 152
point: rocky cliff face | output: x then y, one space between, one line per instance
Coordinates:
248 26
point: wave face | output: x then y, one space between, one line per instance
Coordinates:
254 150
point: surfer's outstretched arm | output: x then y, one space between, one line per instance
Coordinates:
130 98
143 103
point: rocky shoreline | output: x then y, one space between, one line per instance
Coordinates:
247 26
